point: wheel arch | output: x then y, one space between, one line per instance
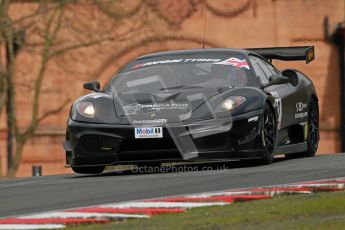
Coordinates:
314 97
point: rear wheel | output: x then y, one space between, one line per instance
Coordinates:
268 135
313 129
88 170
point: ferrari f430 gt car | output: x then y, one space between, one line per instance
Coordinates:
196 105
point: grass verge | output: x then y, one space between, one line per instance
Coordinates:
317 211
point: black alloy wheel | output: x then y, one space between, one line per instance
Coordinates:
313 135
268 135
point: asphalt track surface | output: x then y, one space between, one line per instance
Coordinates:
36 194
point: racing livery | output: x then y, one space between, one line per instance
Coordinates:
196 105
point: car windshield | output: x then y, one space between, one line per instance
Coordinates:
178 72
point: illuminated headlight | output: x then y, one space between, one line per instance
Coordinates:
86 108
230 103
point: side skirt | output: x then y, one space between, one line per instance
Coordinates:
293 148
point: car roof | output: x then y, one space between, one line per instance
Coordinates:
195 51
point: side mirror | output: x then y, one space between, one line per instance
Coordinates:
277 80
93 85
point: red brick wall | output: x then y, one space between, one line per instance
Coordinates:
177 25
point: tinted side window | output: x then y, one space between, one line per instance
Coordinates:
259 70
273 69
268 68
265 68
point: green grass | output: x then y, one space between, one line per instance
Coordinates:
317 211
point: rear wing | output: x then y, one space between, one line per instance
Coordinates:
293 53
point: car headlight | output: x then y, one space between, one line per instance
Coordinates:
86 109
230 103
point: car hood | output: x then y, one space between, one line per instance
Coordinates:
162 106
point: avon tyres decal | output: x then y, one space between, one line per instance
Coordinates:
172 61
240 63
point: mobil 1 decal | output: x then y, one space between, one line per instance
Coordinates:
150 132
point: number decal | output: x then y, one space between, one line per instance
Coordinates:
278 105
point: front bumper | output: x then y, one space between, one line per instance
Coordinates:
103 144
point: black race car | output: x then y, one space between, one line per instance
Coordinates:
194 105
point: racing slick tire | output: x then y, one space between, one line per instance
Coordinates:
268 135
313 134
88 170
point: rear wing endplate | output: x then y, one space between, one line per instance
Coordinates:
293 53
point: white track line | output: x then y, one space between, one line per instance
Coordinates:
153 204
210 194
338 185
225 193
63 215
30 226
239 193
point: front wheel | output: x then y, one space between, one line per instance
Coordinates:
268 135
88 170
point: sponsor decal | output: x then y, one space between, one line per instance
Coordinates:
188 60
300 107
301 115
240 63
131 109
310 55
134 108
154 121
151 132
164 106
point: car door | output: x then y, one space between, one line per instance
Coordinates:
284 94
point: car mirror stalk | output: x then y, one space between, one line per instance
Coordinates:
277 80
